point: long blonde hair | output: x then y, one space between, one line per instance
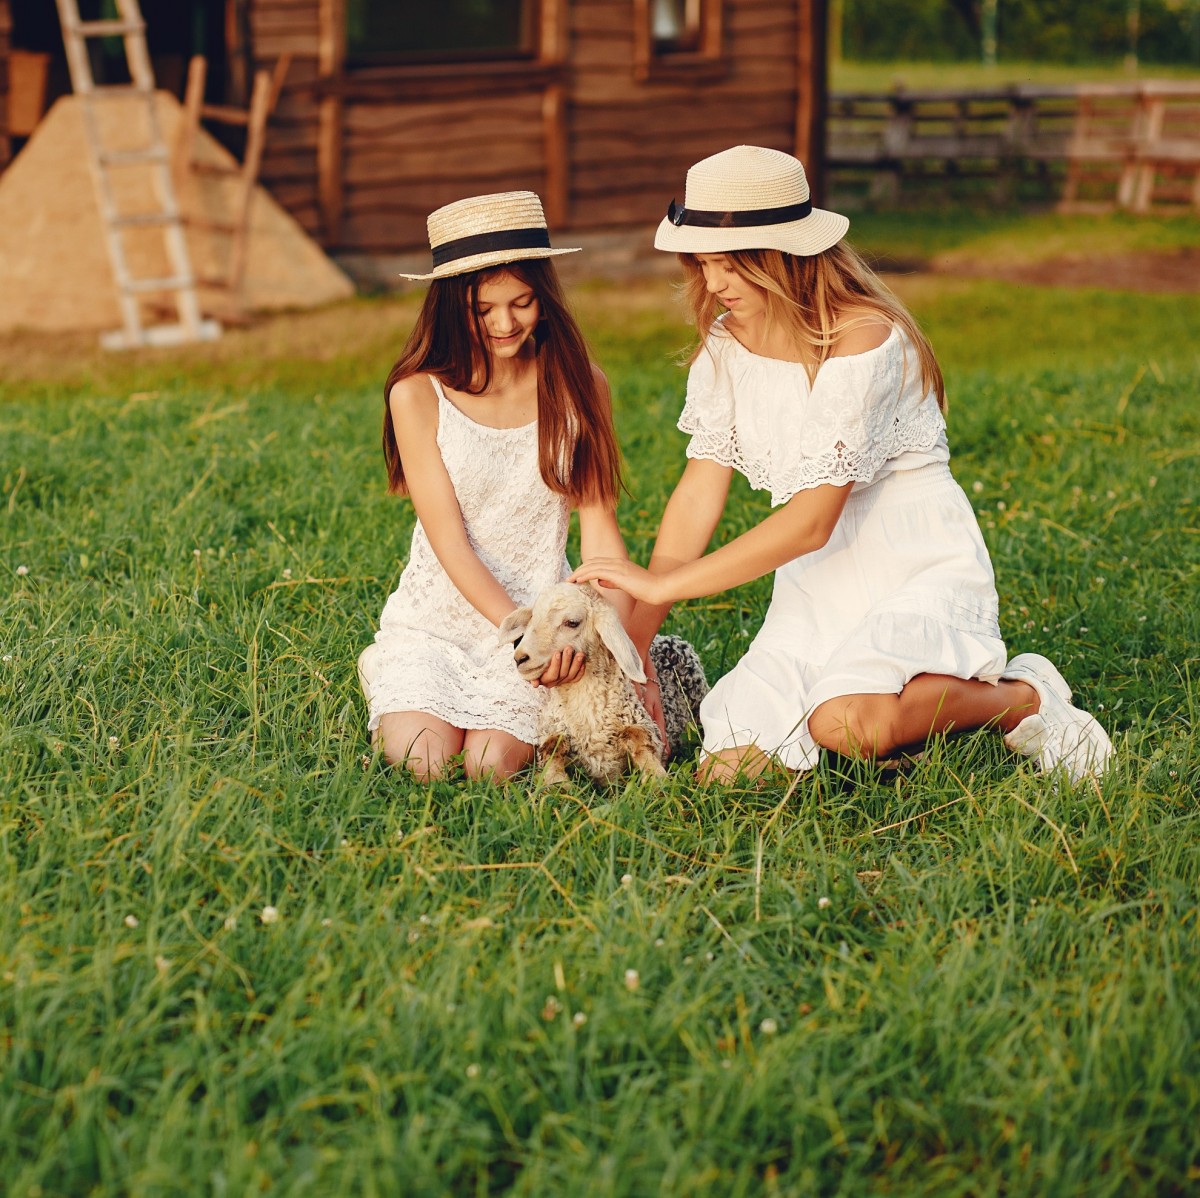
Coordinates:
807 296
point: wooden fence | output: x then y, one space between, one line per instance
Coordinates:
1092 147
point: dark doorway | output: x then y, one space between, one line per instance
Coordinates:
175 30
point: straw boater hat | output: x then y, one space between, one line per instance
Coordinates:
748 198
483 231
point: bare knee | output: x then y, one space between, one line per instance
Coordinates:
856 725
727 765
425 752
496 756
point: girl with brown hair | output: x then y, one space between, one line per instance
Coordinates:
496 425
813 381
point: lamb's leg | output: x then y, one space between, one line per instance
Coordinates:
642 750
552 758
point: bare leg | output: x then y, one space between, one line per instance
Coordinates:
877 725
728 765
418 741
489 753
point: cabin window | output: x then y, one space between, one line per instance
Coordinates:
381 32
675 25
677 39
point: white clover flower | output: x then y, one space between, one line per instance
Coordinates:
472 1070
768 1027
977 486
230 922
114 742
131 921
823 902
196 554
626 879
287 573
659 942
579 1019
22 571
632 979
327 923
345 843
7 657
270 915
162 964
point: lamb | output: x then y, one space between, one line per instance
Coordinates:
599 722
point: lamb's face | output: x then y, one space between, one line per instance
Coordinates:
562 615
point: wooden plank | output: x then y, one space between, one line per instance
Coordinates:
443 122
385 165
810 83
331 58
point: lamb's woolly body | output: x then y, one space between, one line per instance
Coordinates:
591 713
598 722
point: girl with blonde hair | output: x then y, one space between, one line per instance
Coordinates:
813 381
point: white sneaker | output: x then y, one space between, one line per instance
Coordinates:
1057 734
368 669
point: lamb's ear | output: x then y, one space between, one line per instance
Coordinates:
512 627
612 632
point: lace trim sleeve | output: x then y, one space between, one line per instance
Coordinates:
708 410
862 410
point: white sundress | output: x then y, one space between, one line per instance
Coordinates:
437 653
903 587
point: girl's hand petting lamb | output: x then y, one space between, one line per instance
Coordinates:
621 574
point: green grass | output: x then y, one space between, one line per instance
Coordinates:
849 75
1001 995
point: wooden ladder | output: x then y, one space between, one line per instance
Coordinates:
151 156
188 167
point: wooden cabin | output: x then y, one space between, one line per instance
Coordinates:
393 107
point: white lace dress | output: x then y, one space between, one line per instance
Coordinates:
436 653
903 587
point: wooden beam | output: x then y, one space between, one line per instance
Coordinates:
812 26
331 63
552 51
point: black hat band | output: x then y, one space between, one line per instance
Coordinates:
747 218
485 243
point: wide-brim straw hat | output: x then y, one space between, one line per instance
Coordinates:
748 198
483 231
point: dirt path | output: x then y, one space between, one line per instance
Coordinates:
1176 272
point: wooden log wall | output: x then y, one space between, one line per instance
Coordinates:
632 142
5 44
606 139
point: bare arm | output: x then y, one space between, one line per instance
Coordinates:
413 405
688 523
599 534
802 525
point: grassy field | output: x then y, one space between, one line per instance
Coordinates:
238 956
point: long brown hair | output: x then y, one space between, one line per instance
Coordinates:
577 445
807 295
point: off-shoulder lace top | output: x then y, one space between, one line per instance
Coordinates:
864 416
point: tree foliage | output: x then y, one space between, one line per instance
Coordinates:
1164 31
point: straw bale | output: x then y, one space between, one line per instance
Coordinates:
53 256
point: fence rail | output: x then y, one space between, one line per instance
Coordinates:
1085 147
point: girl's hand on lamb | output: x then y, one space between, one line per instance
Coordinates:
564 667
625 576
